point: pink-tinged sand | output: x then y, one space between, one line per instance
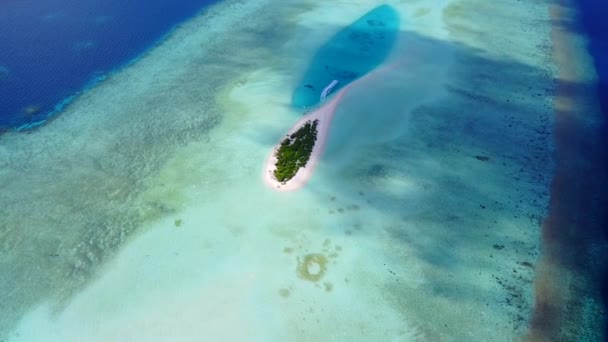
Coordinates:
324 114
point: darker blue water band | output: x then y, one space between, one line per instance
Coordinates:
351 53
595 25
52 50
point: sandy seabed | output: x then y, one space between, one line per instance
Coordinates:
139 213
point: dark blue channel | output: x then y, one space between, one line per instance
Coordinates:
349 54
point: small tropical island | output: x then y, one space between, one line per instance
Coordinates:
292 161
295 150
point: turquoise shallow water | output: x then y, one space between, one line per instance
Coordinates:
350 54
54 51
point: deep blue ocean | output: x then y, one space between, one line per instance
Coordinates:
53 49
594 14
595 25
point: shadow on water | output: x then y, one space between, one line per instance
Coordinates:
353 52
479 169
458 185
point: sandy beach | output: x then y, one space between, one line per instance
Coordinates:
324 114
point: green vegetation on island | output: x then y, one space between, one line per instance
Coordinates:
295 151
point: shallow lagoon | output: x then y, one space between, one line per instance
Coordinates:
422 221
